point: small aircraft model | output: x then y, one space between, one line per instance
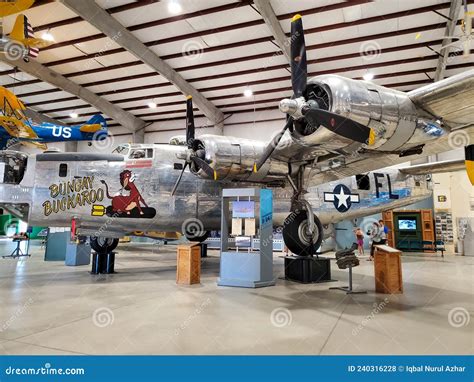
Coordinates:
323 166
16 127
22 43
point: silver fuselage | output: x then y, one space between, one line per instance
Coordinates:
54 199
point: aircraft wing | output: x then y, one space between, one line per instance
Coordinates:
450 100
38 145
14 6
363 163
434 168
16 128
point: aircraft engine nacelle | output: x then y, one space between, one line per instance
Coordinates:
233 159
397 122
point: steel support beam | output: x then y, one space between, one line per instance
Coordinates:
268 15
35 69
104 22
450 28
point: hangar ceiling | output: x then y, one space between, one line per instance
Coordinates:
222 48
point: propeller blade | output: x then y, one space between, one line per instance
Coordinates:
175 187
189 121
470 162
202 164
340 125
467 48
272 146
298 57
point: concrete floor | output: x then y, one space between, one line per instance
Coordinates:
48 308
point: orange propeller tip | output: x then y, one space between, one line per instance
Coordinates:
371 137
255 167
295 17
215 175
189 97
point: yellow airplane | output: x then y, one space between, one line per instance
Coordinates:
22 43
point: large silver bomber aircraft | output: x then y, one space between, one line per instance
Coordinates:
322 166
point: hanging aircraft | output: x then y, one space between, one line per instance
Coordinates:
21 43
16 127
10 7
323 166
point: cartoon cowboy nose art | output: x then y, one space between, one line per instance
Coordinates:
128 206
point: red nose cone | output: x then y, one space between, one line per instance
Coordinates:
332 122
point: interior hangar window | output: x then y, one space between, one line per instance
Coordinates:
363 182
62 170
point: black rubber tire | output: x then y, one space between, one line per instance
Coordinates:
291 234
199 239
103 245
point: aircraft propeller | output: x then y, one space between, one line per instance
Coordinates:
196 154
297 106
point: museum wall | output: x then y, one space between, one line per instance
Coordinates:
454 193
344 229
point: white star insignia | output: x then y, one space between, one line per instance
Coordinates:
342 199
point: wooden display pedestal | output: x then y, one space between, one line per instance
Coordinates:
388 270
189 264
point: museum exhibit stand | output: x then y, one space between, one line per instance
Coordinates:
246 213
388 270
188 270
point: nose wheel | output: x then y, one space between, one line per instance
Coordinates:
298 236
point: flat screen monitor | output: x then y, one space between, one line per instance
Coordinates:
407 224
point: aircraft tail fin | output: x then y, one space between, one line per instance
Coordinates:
97 118
96 123
470 162
19 28
23 33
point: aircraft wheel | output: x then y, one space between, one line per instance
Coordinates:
103 245
297 236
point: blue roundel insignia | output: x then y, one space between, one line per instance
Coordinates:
342 198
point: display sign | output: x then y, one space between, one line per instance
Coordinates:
243 241
442 199
250 228
243 209
236 227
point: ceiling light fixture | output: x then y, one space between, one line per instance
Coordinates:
368 76
152 105
74 115
47 36
248 92
174 7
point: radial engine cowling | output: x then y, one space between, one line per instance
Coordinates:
390 113
233 159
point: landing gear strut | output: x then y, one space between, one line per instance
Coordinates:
302 230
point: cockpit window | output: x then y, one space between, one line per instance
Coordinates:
121 150
141 154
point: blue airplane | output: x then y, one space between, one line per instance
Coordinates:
18 126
